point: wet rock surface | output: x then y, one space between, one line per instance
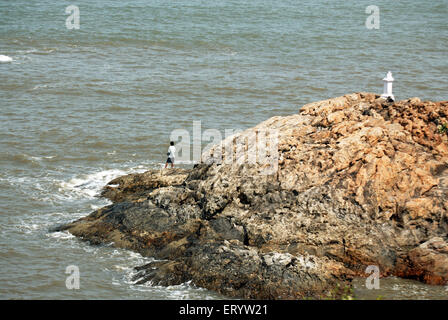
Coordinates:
360 181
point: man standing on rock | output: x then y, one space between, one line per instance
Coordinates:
170 154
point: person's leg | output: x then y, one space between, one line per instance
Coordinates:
169 160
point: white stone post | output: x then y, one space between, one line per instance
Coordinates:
388 86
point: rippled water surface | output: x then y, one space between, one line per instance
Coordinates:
80 107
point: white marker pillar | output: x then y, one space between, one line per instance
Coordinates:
388 86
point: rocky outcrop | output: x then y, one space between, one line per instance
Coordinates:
360 181
136 186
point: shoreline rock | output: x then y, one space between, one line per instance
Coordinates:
360 181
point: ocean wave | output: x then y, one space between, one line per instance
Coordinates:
64 235
119 108
110 92
53 188
4 58
23 158
35 158
89 185
40 51
39 86
28 228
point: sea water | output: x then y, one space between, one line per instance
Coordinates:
83 104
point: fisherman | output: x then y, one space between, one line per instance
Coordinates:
170 154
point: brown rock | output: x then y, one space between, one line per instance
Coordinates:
429 261
359 182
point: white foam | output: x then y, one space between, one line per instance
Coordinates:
27 228
115 282
5 58
36 158
122 268
89 185
64 235
40 86
94 207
